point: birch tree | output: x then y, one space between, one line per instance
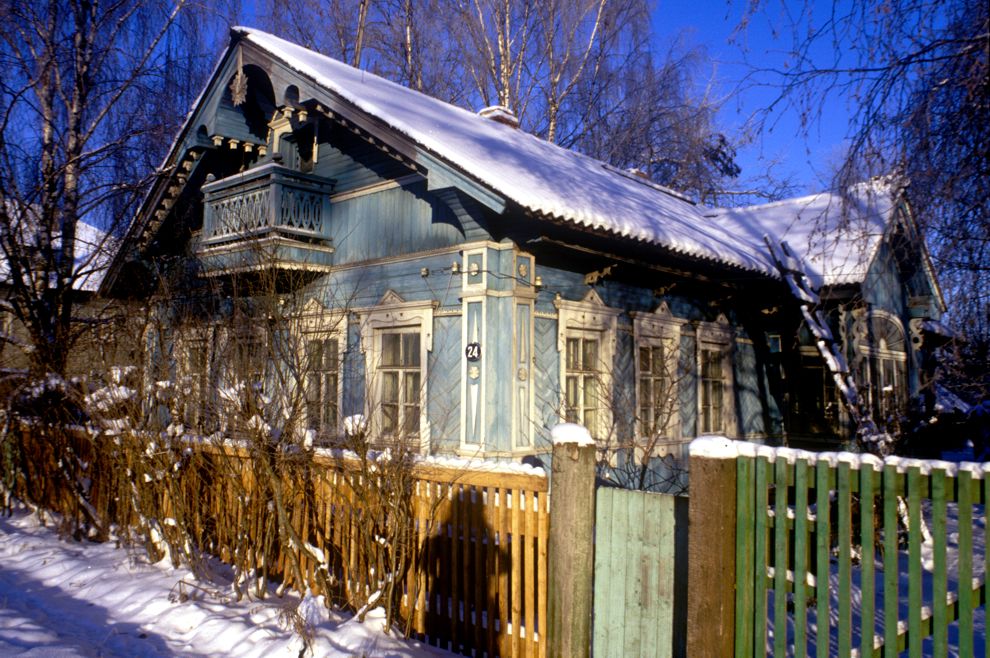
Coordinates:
88 93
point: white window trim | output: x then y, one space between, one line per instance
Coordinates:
393 312
183 344
870 355
318 322
717 335
586 316
653 329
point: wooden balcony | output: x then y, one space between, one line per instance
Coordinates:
268 217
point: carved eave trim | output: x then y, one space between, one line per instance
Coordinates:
393 311
590 313
661 323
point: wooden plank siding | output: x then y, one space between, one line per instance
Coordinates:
805 526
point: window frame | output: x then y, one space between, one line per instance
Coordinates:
583 319
718 337
659 329
394 314
197 406
322 324
874 353
402 371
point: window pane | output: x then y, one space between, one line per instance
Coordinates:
660 395
330 354
313 401
590 355
330 400
390 387
312 387
573 354
716 406
314 349
645 392
571 400
657 365
390 349
591 421
572 392
390 418
590 392
889 383
410 423
410 393
711 363
410 349
644 359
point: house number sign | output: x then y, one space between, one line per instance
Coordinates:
473 351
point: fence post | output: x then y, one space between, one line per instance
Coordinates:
571 559
712 548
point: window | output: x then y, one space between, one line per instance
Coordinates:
716 408
815 407
396 338
586 342
656 394
712 391
322 384
249 358
881 348
401 377
321 345
582 382
196 381
657 347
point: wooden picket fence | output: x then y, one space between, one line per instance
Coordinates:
476 581
832 556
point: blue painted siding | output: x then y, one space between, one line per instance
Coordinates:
624 410
390 223
689 387
498 372
354 389
444 374
749 406
546 377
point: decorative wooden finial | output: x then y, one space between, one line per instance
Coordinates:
238 87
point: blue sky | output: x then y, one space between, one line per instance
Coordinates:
711 24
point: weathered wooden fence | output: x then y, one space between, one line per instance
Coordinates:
837 554
476 581
477 575
640 574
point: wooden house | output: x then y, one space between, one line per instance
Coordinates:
465 286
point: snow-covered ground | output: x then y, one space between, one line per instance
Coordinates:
64 598
979 534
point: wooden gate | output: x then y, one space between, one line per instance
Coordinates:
640 589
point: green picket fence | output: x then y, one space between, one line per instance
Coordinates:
837 554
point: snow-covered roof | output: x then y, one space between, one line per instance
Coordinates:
94 251
835 236
539 176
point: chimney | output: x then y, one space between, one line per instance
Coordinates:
500 114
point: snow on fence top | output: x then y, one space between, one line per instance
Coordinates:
719 447
571 433
543 178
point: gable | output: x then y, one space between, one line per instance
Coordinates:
900 277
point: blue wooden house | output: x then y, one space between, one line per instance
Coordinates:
465 286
